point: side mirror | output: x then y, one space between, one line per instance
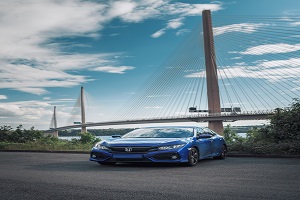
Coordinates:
116 136
203 136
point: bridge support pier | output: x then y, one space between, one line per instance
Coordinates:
55 133
83 128
213 95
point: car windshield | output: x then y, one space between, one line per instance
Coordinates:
160 133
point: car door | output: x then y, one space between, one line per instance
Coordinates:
204 143
215 143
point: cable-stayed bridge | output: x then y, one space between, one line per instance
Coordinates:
238 68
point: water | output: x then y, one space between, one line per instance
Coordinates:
243 135
69 138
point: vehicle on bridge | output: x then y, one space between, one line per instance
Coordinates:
169 144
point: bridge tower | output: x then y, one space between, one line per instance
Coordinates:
55 133
211 72
83 128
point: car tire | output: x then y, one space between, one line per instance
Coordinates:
107 163
223 153
193 157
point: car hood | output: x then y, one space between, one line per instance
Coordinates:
146 141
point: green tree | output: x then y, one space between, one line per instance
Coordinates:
284 124
20 135
4 133
86 138
230 136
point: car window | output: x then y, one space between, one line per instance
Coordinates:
160 133
199 131
208 131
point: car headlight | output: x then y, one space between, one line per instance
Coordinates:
101 147
176 146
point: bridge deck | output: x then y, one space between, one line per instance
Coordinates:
191 118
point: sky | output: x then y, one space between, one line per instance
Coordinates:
50 48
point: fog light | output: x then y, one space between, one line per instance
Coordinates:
174 157
94 156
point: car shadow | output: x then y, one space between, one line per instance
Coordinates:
79 166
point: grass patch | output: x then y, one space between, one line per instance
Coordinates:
40 145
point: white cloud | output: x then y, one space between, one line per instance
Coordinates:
270 74
158 33
272 49
269 70
292 62
157 96
153 107
34 80
33 90
296 36
182 31
3 97
295 24
182 10
172 24
30 113
115 70
139 10
296 89
242 28
175 23
28 62
286 18
185 9
25 109
196 75
31 62
121 8
9 110
236 58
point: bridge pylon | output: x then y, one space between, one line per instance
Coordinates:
83 127
55 133
213 94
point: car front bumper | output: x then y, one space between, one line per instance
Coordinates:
170 156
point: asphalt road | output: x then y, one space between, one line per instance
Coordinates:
26 175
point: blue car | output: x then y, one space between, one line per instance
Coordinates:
180 144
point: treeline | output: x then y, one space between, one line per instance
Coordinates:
96 132
19 135
281 136
244 129
23 139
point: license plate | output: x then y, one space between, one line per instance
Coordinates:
137 156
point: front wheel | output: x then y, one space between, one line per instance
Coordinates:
193 157
223 153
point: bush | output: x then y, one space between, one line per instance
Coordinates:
230 136
22 139
282 136
20 135
86 138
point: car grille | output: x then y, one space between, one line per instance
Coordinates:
131 149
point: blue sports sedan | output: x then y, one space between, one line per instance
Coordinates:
180 144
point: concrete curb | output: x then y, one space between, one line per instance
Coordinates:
46 151
228 155
262 155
